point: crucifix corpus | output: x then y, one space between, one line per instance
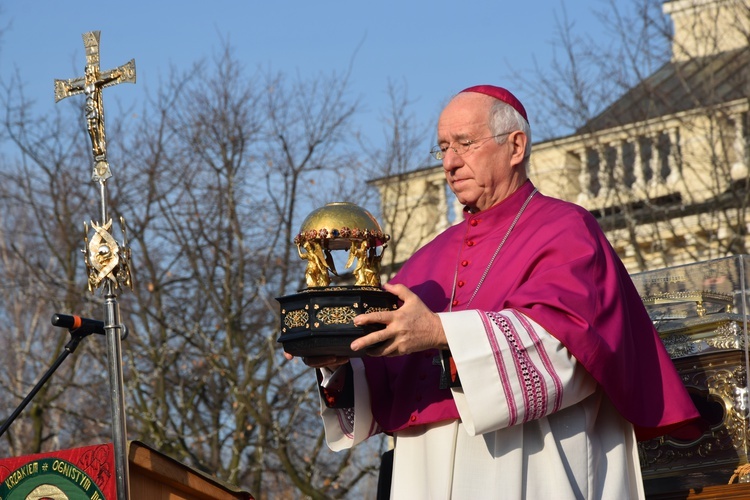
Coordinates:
107 262
91 85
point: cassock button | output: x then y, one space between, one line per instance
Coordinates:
464 263
470 243
413 418
461 283
474 222
455 303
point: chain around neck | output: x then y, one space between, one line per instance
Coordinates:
492 260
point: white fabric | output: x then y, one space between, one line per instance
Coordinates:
508 376
534 424
346 427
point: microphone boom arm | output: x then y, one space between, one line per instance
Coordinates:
76 336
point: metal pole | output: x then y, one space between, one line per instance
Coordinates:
112 331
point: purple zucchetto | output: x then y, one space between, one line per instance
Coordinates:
500 94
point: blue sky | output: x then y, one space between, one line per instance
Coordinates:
436 48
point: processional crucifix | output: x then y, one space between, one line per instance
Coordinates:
107 262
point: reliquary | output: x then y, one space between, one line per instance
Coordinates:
700 312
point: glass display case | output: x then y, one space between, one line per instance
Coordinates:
701 312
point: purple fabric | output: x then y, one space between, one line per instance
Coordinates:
558 268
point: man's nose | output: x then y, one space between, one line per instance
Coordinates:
451 160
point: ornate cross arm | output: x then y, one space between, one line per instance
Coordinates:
73 86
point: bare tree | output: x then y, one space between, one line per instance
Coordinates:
43 205
218 181
413 194
659 119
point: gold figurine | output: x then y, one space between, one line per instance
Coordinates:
367 270
319 261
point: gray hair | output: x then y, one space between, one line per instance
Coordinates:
503 118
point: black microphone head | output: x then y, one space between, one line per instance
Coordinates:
63 320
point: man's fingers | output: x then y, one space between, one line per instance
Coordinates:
370 340
399 290
378 317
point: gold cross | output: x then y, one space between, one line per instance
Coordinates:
91 84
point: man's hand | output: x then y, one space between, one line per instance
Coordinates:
410 328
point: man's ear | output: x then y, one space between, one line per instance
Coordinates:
518 141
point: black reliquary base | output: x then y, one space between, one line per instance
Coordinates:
317 321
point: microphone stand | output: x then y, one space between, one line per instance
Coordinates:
76 337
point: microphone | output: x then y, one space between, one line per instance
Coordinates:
78 324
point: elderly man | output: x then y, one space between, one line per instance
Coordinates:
521 363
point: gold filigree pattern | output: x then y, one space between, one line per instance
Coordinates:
297 318
678 346
379 309
336 315
727 337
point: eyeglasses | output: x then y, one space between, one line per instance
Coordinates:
461 147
